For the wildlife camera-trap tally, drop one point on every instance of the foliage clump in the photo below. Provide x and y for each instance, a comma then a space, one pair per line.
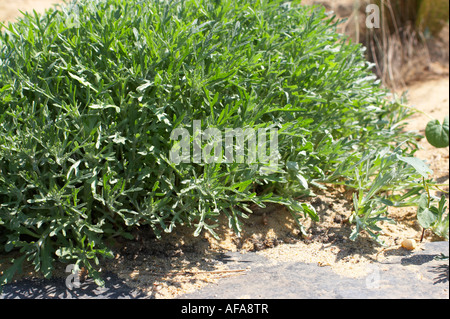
90, 93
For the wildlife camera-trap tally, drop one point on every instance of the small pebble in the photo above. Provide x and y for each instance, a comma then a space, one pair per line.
409, 244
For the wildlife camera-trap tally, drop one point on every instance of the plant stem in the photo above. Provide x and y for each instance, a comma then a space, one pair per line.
419, 111
423, 233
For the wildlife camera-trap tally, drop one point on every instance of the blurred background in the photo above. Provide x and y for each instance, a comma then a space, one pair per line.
412, 42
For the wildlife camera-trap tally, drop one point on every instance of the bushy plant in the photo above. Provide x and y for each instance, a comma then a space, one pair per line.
89, 96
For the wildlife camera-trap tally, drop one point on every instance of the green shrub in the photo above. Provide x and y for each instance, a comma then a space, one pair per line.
90, 94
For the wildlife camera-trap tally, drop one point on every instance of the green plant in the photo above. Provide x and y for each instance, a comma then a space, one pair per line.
437, 133
431, 210
441, 257
432, 216
89, 98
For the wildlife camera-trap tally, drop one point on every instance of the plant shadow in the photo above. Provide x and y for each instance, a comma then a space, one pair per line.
142, 268
56, 288
442, 272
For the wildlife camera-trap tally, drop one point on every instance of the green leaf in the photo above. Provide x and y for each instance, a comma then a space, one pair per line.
242, 185
9, 273
142, 87
104, 107
293, 168
46, 259
311, 211
437, 133
426, 216
441, 228
83, 81
305, 208
302, 180
418, 164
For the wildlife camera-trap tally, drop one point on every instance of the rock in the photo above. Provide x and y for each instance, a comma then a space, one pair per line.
409, 244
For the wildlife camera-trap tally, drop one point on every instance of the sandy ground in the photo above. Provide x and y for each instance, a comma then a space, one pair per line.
431, 97
180, 263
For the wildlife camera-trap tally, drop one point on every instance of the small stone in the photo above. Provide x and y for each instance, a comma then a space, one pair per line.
409, 244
